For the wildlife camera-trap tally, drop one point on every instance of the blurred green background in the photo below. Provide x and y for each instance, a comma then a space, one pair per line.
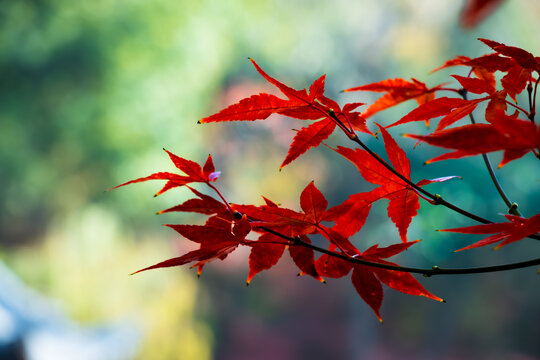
90, 91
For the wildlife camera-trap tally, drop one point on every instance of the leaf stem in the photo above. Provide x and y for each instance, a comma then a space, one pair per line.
222, 197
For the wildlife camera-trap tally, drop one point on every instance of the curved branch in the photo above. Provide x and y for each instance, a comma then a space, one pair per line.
435, 270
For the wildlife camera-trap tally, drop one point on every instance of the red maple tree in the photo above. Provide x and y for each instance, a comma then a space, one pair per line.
269, 229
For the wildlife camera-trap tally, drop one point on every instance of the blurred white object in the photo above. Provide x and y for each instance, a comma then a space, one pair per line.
33, 327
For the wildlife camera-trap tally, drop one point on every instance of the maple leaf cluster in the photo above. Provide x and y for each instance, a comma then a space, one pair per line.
270, 229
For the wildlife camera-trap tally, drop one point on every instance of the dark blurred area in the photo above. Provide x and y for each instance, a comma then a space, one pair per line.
91, 91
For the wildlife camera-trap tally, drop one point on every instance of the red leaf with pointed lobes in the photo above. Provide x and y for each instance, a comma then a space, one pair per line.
174, 180
382, 253
242, 227
316, 90
301, 105
261, 106
352, 106
286, 221
458, 113
292, 223
368, 287
516, 137
216, 238
338, 240
202, 256
332, 267
397, 156
204, 205
490, 63
522, 57
313, 203
404, 202
483, 67
304, 258
203, 234
192, 169
208, 167
336, 212
435, 108
497, 103
264, 255
367, 280
474, 85
370, 169
515, 229
359, 206
286, 90
458, 60
403, 282
397, 91
308, 137
403, 205
515, 81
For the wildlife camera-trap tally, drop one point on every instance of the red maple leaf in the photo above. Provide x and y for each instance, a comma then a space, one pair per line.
404, 203
300, 104
524, 58
203, 205
396, 91
265, 253
517, 63
269, 248
514, 136
475, 85
367, 280
507, 232
452, 110
292, 223
192, 170
216, 238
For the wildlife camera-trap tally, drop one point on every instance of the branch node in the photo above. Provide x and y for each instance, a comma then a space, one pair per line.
513, 209
437, 200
